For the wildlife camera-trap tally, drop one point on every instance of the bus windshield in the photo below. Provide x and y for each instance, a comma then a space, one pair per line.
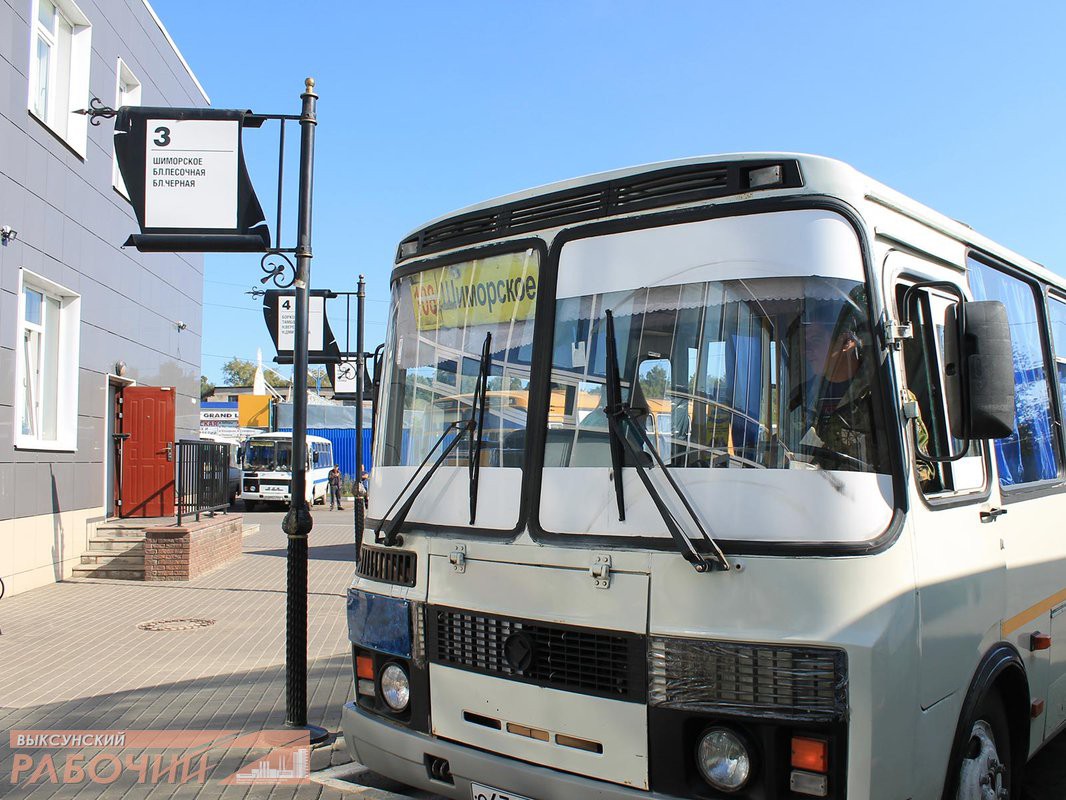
765, 372
268, 456
441, 318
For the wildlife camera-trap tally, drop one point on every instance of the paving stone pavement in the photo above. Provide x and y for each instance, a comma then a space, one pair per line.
73, 658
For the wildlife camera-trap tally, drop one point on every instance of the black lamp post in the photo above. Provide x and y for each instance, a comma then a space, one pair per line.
298, 523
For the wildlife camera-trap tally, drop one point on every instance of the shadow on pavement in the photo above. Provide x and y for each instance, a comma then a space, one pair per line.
326, 552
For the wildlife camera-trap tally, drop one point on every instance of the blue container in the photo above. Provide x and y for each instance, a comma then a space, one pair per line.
345, 440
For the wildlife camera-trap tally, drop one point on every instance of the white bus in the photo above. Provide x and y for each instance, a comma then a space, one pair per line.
267, 473
829, 568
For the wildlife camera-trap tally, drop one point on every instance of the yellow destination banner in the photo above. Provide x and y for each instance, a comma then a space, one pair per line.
481, 292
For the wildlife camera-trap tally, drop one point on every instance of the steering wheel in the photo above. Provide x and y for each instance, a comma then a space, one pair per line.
848, 462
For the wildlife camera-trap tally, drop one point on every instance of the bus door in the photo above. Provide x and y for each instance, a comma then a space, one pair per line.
960, 563
1029, 467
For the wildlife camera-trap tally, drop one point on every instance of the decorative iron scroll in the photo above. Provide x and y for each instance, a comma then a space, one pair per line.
275, 270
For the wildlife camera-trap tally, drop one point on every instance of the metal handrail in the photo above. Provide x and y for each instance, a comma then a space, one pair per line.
203, 478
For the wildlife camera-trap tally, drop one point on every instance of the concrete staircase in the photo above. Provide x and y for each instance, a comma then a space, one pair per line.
116, 550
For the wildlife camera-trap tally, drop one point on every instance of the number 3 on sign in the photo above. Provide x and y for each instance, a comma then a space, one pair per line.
164, 136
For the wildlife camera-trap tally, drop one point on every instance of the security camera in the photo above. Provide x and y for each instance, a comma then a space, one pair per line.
181, 325
7, 233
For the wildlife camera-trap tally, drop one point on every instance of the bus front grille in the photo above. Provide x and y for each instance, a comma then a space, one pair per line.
805, 683
387, 564
602, 663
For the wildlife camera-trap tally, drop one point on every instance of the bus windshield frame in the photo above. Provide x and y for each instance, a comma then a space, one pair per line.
877, 477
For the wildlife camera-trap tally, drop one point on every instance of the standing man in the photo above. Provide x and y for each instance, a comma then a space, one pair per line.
335, 487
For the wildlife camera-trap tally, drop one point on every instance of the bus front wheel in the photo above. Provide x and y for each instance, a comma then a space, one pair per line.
985, 769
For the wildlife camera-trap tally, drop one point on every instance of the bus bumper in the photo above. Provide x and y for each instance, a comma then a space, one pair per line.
401, 754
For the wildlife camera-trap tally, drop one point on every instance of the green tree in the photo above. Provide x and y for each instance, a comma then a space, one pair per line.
206, 387
238, 372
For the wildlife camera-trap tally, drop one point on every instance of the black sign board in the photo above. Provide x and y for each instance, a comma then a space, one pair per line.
279, 312
185, 174
343, 378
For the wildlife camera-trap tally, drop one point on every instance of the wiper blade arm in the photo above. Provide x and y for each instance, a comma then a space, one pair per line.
394, 524
618, 414
614, 402
477, 419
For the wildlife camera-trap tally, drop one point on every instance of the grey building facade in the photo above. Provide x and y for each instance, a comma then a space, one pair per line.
81, 317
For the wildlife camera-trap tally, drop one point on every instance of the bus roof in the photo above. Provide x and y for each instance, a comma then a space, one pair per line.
821, 175
283, 435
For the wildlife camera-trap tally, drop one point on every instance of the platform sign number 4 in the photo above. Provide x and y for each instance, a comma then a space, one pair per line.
190, 174
287, 323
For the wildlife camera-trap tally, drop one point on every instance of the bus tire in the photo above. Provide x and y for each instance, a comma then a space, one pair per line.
998, 697
985, 768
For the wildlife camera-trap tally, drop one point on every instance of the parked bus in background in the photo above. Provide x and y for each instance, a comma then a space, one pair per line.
268, 465
778, 516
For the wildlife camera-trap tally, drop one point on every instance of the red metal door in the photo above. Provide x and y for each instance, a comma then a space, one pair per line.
148, 453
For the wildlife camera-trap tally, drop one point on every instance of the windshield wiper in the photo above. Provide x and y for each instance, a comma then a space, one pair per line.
477, 416
614, 402
619, 414
473, 426
463, 426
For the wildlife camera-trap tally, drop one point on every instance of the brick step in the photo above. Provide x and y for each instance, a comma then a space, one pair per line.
126, 573
132, 543
112, 560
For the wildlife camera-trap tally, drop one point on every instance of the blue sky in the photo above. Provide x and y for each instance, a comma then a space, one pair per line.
428, 107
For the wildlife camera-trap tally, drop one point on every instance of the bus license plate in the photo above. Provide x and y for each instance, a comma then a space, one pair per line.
268, 489
479, 792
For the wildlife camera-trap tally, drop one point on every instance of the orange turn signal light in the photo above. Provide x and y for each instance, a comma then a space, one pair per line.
364, 667
810, 754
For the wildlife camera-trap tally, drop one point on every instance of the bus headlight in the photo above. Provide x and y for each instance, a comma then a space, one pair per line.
723, 760
395, 687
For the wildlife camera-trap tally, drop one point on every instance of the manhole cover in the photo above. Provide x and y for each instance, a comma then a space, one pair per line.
175, 624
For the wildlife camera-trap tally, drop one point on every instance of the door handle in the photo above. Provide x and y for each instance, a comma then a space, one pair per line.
170, 451
992, 514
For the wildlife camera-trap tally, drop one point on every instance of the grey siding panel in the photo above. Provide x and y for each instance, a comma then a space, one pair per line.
71, 224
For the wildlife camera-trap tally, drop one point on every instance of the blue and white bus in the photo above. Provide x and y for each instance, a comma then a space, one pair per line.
267, 473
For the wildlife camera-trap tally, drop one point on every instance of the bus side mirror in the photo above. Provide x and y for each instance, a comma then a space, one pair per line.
982, 387
988, 363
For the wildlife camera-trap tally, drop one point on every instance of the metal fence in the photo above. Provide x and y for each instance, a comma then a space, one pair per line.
203, 478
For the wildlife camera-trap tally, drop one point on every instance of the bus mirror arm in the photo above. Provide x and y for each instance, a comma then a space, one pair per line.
619, 414
981, 345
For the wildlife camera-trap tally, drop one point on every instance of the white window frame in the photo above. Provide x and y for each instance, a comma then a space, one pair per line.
76, 129
132, 97
67, 365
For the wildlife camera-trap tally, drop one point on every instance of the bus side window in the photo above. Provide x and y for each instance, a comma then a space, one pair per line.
1031, 453
1056, 307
